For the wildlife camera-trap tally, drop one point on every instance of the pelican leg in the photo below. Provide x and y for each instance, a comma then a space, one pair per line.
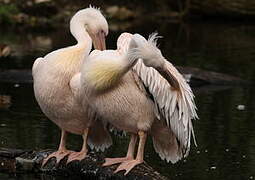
61, 152
128, 165
83, 153
129, 156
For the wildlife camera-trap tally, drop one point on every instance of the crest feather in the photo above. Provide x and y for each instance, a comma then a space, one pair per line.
153, 38
94, 7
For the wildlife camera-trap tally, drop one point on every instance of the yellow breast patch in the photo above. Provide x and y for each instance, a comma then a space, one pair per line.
104, 74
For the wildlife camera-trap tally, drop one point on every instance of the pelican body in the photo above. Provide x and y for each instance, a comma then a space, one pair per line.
56, 79
136, 90
119, 101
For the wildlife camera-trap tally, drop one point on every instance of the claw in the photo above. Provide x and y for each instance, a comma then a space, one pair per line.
111, 161
59, 155
76, 156
128, 166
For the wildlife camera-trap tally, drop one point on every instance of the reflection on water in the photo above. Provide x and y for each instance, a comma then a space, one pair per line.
225, 135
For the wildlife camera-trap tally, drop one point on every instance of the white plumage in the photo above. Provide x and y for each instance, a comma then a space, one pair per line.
57, 82
176, 108
140, 92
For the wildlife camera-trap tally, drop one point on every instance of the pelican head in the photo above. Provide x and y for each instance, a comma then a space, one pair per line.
94, 23
147, 50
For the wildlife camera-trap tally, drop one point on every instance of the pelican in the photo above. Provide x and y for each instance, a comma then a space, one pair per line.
135, 89
56, 85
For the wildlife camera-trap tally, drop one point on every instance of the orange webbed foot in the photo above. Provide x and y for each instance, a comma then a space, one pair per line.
111, 161
128, 165
59, 155
77, 156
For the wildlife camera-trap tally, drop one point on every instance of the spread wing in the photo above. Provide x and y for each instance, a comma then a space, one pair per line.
175, 108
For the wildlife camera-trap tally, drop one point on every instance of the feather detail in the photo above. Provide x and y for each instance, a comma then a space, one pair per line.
68, 57
99, 137
174, 102
107, 67
165, 143
123, 43
177, 108
104, 74
94, 7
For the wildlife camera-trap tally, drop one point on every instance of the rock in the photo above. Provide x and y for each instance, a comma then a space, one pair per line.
40, 8
120, 26
120, 13
5, 101
5, 50
223, 8
6, 1
202, 77
7, 159
21, 18
41, 1
41, 42
89, 168
112, 10
25, 164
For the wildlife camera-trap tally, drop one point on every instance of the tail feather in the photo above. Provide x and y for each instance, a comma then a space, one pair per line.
165, 142
99, 137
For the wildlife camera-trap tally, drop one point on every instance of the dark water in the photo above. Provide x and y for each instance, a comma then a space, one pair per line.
225, 135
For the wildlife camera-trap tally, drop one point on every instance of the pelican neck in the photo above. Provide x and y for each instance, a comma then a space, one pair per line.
79, 32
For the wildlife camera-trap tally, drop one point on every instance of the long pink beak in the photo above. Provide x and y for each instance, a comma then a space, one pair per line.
99, 41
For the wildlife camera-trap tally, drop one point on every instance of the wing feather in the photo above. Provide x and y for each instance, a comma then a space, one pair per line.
123, 42
174, 108
177, 108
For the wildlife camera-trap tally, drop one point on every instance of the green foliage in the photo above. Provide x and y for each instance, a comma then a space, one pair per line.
7, 12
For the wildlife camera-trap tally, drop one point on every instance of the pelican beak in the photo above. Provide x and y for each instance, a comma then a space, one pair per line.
99, 41
165, 72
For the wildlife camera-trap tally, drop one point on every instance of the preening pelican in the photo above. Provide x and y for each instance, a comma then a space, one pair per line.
56, 84
137, 90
